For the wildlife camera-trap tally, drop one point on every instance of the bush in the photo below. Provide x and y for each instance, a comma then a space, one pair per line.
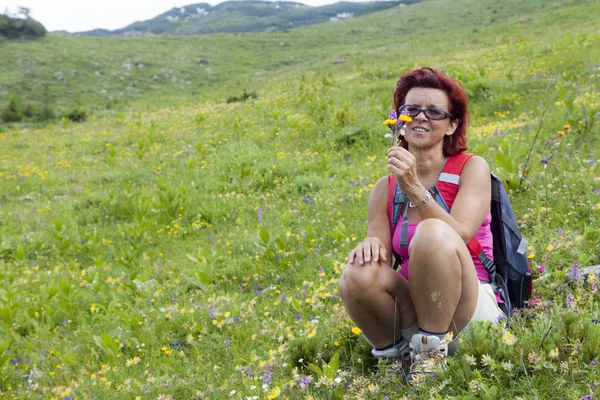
29, 111
77, 115
46, 113
12, 112
245, 96
18, 28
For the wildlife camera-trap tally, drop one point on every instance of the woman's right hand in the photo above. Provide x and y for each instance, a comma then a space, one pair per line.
369, 248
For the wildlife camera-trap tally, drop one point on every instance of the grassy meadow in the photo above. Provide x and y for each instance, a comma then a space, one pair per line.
177, 246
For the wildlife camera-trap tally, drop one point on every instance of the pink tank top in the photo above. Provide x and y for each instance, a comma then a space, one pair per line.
483, 234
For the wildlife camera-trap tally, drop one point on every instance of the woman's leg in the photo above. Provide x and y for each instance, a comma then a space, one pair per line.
378, 300
443, 281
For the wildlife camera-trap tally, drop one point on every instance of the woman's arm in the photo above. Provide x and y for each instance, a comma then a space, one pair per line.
472, 201
378, 244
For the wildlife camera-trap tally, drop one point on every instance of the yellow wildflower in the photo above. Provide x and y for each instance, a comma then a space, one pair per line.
509, 338
356, 330
560, 133
566, 127
405, 118
274, 393
390, 122
311, 333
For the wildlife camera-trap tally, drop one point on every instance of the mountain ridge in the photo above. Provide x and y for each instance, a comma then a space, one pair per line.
245, 16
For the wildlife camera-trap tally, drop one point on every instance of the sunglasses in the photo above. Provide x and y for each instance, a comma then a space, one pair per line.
431, 113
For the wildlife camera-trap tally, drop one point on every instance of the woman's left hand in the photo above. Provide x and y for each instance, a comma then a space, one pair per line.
404, 167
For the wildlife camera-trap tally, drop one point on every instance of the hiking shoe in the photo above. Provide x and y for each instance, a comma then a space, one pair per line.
399, 350
428, 355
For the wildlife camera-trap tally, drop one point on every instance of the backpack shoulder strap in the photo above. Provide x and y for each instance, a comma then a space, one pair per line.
449, 179
390, 203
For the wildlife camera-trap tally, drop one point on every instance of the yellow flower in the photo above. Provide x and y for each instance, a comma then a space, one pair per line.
560, 133
311, 333
509, 338
356, 330
553, 353
274, 393
389, 122
405, 118
93, 308
566, 127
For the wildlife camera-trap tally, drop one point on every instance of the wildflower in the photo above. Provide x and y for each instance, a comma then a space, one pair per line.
508, 338
470, 359
211, 312
486, 360
93, 308
274, 393
533, 358
542, 268
507, 366
260, 214
405, 118
389, 122
560, 133
570, 301
553, 353
356, 330
474, 385
574, 271
266, 378
305, 381
312, 333
566, 127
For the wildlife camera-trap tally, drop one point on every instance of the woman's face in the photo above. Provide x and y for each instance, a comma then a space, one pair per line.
423, 132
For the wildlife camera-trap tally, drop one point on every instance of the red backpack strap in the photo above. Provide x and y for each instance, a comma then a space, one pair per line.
390, 204
449, 179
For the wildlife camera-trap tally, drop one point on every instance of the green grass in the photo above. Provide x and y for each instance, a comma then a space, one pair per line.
131, 249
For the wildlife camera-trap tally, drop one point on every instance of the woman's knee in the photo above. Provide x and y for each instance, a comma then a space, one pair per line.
433, 235
356, 279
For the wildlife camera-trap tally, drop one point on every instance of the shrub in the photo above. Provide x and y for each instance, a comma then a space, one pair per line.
245, 96
29, 111
76, 115
19, 28
12, 112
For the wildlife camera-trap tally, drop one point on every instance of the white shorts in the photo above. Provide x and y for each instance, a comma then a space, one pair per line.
487, 310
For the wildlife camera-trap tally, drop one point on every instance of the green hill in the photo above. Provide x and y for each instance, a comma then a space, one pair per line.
246, 16
183, 244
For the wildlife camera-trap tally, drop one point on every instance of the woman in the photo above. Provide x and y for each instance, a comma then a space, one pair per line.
440, 287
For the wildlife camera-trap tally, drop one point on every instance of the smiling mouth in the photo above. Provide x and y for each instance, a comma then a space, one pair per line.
420, 130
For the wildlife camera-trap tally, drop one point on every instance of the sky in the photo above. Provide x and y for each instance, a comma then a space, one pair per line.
85, 15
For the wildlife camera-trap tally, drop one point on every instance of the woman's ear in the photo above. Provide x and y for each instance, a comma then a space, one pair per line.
452, 127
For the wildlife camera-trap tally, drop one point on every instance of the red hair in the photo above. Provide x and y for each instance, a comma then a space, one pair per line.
427, 77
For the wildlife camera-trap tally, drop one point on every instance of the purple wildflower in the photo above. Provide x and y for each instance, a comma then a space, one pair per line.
575, 271
227, 343
305, 381
236, 319
591, 153
393, 114
597, 191
560, 231
211, 312
260, 214
542, 268
266, 378
545, 161
595, 321
570, 301
586, 397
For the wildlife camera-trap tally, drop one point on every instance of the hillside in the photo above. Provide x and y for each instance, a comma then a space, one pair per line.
117, 73
245, 16
177, 245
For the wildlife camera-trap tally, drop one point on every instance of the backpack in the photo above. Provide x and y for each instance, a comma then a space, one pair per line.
510, 273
